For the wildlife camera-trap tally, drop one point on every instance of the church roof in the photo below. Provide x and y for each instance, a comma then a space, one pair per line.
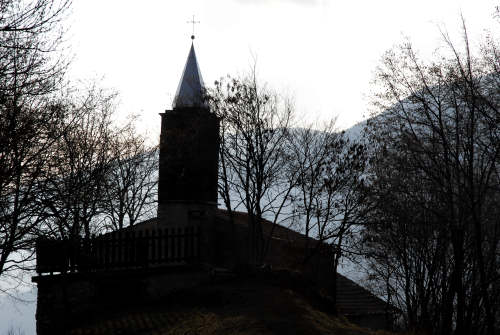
190, 90
352, 299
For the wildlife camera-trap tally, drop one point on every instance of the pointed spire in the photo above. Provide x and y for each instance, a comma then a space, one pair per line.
191, 87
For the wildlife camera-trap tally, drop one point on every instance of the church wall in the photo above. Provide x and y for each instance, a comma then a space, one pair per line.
67, 300
58, 300
230, 244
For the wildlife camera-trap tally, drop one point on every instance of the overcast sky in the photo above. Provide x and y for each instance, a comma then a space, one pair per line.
322, 53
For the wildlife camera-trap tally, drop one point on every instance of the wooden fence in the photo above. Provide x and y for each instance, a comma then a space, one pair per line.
119, 250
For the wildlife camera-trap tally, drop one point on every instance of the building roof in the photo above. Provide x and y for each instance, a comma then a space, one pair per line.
352, 298
191, 88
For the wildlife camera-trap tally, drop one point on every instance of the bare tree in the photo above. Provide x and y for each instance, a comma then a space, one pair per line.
438, 134
328, 197
35, 17
101, 175
131, 184
284, 174
74, 185
30, 35
30, 122
255, 125
406, 244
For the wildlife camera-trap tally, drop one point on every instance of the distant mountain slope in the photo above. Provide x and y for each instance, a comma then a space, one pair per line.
354, 132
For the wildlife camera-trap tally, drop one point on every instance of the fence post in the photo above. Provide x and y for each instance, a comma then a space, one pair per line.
133, 250
166, 246
179, 246
107, 250
147, 247
74, 253
153, 246
138, 249
119, 247
173, 248
98, 253
85, 255
160, 246
112, 260
191, 244
198, 243
185, 241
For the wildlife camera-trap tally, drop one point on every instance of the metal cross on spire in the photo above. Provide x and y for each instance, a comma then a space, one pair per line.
193, 22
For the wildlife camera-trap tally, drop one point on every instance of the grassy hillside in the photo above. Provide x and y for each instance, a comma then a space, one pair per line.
235, 306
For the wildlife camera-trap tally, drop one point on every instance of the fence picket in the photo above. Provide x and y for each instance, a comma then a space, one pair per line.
133, 250
160, 249
153, 247
119, 250
168, 243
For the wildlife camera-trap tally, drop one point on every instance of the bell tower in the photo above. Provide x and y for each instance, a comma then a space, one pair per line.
189, 148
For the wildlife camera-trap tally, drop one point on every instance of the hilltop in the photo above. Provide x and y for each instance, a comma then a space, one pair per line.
265, 303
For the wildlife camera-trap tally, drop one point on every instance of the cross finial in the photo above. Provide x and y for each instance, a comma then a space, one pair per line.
193, 22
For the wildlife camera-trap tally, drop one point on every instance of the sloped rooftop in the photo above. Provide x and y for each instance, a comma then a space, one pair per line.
352, 299
190, 90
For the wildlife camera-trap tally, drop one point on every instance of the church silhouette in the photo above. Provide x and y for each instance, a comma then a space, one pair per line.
191, 242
